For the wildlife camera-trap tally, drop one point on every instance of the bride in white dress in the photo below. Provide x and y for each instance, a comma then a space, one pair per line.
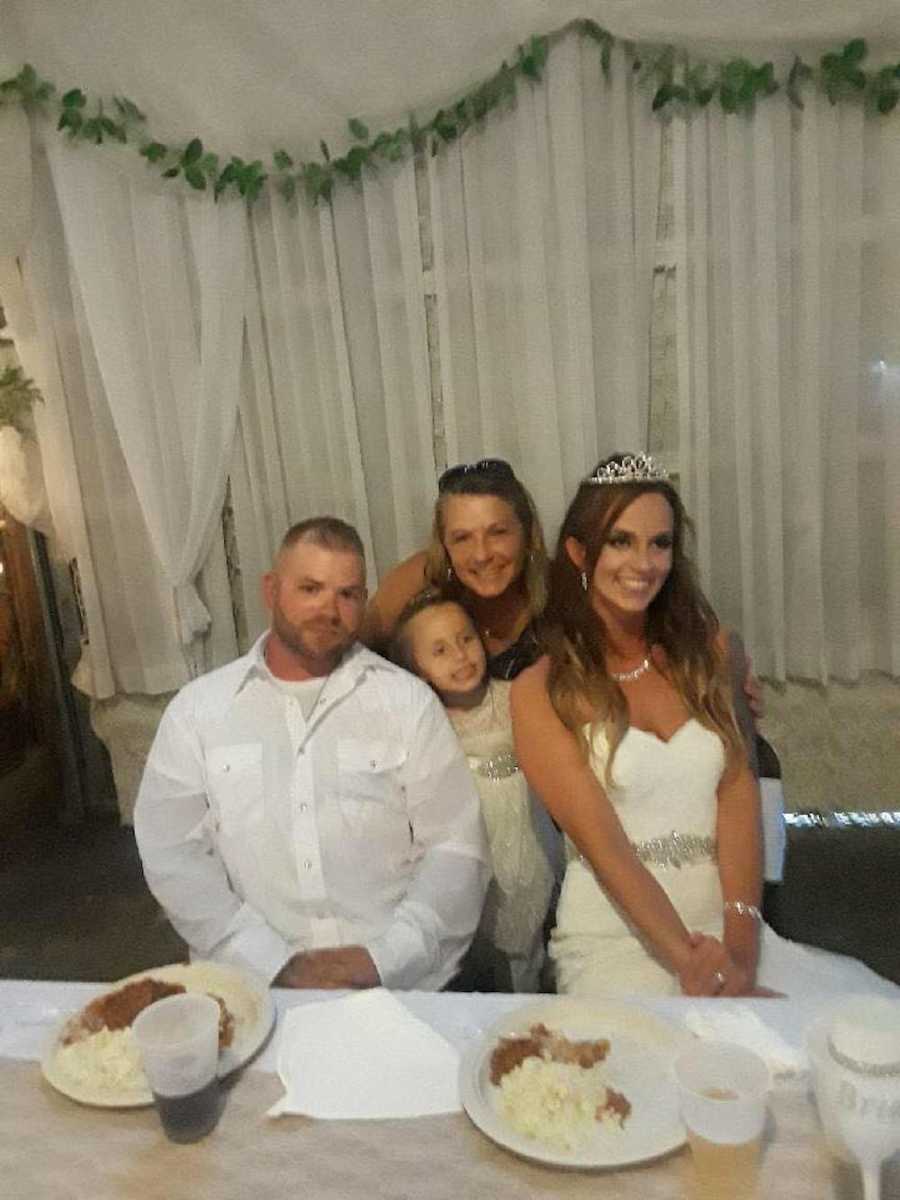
627, 732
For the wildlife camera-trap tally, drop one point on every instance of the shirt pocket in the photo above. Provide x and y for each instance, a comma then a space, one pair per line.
235, 780
370, 790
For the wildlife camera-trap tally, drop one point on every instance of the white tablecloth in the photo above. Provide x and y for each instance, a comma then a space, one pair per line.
30, 1011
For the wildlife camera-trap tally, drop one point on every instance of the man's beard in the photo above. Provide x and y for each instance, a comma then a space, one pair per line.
305, 647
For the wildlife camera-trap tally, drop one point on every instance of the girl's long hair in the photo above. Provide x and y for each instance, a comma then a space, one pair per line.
680, 620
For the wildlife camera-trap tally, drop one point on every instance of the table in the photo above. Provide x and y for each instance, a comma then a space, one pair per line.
53, 1149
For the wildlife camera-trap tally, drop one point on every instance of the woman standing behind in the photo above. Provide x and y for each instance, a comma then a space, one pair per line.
486, 552
627, 732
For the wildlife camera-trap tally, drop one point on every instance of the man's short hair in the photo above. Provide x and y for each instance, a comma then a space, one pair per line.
331, 533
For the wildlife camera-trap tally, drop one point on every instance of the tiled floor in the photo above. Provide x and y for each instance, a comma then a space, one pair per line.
74, 905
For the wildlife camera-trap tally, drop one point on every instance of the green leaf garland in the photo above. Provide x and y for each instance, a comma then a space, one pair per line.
678, 84
17, 396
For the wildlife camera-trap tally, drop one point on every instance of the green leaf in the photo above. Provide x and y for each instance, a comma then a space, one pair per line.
728, 98
416, 135
352, 163
192, 151
324, 148
154, 151
70, 118
887, 100
855, 51
766, 77
529, 68
287, 186
195, 177
799, 72
171, 173
282, 160
317, 181
74, 99
358, 129
225, 178
128, 110
662, 97
539, 48
209, 163
444, 125
92, 130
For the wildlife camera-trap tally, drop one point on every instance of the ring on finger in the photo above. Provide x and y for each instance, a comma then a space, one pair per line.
719, 980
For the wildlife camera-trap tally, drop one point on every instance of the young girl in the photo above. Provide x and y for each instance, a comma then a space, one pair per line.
435, 639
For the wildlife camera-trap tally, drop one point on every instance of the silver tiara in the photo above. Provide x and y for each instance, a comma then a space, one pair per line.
634, 468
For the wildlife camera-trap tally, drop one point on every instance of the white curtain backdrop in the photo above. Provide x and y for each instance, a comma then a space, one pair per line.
133, 637
335, 412
160, 289
181, 344
788, 292
544, 226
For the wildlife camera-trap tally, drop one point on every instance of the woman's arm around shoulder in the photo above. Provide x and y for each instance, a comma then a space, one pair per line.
394, 592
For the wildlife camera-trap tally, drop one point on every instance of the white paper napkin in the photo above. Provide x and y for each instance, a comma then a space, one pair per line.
741, 1025
364, 1056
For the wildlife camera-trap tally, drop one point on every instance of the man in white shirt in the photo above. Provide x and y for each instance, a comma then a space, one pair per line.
306, 810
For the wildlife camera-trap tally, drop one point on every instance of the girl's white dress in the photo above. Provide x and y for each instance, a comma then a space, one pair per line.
664, 794
520, 836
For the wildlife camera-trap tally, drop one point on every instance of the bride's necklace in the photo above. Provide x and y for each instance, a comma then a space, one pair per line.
631, 676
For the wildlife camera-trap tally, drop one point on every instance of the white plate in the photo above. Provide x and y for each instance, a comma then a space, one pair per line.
642, 1049
247, 996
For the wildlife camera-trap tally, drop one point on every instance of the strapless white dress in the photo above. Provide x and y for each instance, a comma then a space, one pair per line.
665, 795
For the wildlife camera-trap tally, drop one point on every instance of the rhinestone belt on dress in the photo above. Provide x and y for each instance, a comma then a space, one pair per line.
673, 850
498, 766
676, 849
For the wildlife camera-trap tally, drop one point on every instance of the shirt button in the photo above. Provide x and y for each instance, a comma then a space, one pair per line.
308, 864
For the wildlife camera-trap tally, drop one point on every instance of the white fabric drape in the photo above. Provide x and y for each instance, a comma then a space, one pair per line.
133, 642
335, 411
544, 226
789, 457
169, 362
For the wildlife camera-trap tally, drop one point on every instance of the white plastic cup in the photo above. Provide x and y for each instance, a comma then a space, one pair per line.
723, 1090
178, 1038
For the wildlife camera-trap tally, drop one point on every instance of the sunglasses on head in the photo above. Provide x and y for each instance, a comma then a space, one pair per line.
497, 467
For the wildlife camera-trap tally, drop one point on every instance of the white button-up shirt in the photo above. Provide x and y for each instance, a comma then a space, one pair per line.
262, 833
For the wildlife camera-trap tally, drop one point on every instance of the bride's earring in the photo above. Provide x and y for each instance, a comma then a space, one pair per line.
584, 581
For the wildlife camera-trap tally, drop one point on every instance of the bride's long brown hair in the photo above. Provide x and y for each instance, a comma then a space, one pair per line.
680, 620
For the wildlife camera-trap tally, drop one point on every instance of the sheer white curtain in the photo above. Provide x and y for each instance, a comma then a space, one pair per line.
335, 411
789, 452
544, 226
160, 288
134, 642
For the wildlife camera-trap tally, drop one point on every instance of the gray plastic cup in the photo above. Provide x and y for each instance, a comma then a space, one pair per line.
178, 1039
723, 1090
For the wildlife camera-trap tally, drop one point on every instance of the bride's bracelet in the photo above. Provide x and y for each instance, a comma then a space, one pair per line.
743, 909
